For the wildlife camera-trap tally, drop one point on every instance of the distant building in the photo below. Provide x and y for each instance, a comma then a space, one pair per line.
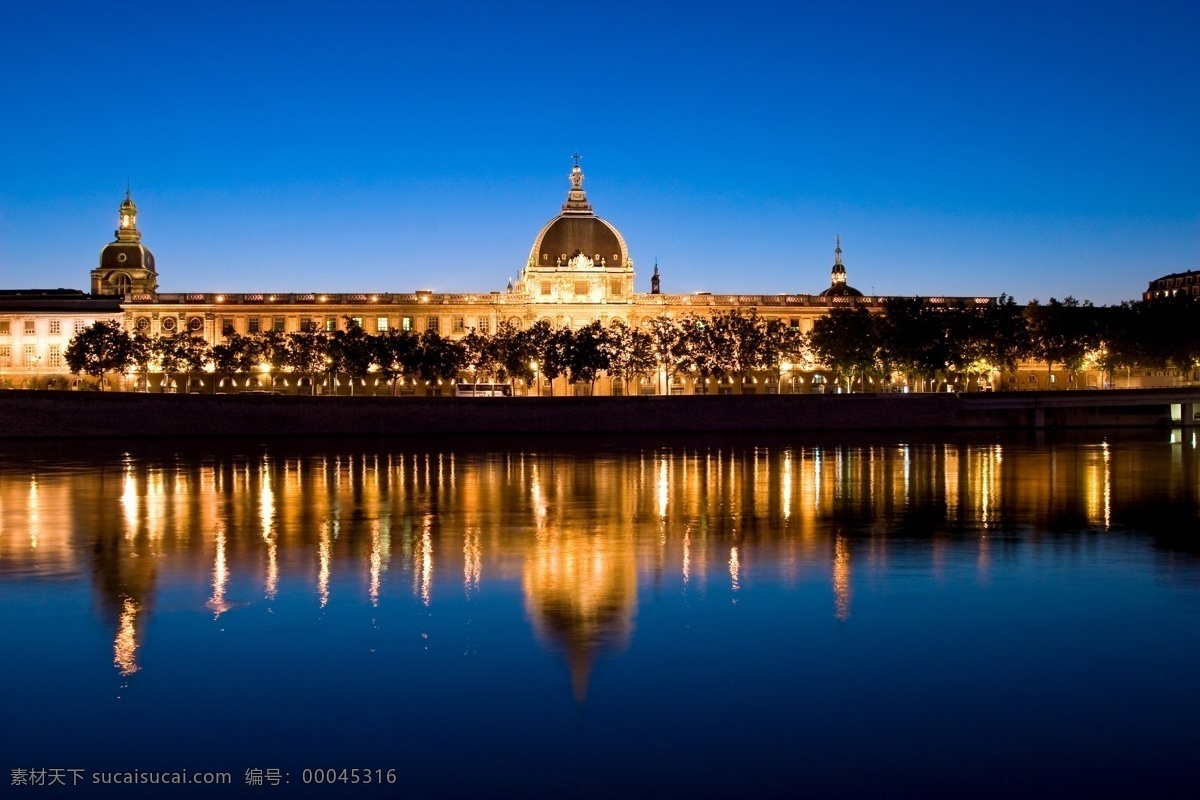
1173, 285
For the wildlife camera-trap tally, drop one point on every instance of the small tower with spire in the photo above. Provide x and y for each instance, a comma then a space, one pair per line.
126, 265
654, 280
837, 277
839, 271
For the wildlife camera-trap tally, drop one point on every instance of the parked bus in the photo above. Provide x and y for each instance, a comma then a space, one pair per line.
482, 390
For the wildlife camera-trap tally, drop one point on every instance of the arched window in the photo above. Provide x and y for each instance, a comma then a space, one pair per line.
121, 283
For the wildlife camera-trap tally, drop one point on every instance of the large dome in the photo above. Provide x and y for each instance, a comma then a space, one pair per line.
578, 231
566, 236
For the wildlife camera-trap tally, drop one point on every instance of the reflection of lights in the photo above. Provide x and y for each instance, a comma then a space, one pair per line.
663, 489
472, 561
35, 512
266, 513
425, 574
125, 644
220, 577
323, 550
376, 563
787, 484
735, 568
841, 578
950, 479
129, 501
687, 555
155, 504
1108, 484
535, 494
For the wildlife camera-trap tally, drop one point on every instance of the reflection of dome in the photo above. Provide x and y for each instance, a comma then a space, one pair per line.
581, 594
838, 286
577, 230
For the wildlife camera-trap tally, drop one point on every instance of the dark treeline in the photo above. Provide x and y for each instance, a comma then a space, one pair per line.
913, 341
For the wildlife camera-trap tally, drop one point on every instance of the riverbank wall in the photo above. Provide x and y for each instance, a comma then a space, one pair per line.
64, 414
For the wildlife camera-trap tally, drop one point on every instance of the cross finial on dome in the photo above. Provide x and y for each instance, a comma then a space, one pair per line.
576, 156
837, 250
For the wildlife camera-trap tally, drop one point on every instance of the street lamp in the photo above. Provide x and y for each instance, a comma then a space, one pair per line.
37, 360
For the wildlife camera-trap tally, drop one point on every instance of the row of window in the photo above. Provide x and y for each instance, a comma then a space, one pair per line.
29, 326
458, 324
582, 288
54, 357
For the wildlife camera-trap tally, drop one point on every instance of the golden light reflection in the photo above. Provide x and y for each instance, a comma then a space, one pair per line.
581, 595
664, 492
687, 555
423, 563
582, 532
220, 576
324, 554
787, 485
472, 561
129, 501
841, 578
34, 513
125, 644
376, 563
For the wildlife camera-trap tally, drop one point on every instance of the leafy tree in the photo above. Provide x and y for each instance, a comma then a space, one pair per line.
237, 354
104, 347
631, 352
481, 355
553, 353
670, 349
439, 358
515, 351
697, 349
395, 353
1062, 333
847, 341
351, 351
914, 337
306, 352
271, 347
588, 353
181, 354
142, 355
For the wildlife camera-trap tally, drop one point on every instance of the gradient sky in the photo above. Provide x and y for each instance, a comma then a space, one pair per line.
1039, 149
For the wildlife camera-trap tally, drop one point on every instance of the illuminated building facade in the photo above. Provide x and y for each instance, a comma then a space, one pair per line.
579, 270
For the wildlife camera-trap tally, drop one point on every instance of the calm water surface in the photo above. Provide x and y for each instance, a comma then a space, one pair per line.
738, 617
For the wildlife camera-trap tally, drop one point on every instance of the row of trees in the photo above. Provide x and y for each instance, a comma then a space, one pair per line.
928, 345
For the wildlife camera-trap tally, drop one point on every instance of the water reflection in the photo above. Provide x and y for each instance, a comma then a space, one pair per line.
581, 535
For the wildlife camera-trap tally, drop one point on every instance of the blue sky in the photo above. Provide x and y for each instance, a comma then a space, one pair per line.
1036, 149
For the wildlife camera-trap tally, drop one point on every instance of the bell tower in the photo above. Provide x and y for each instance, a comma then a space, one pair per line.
126, 265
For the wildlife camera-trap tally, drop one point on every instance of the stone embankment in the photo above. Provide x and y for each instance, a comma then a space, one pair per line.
51, 414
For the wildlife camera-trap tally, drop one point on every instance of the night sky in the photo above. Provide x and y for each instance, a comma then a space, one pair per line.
1038, 149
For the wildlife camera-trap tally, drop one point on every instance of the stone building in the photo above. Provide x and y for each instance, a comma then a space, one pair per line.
579, 269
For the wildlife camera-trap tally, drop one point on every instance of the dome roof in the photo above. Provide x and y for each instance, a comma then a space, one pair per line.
841, 290
567, 235
577, 230
125, 256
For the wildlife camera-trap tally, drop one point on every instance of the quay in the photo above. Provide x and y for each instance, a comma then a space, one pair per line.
65, 414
